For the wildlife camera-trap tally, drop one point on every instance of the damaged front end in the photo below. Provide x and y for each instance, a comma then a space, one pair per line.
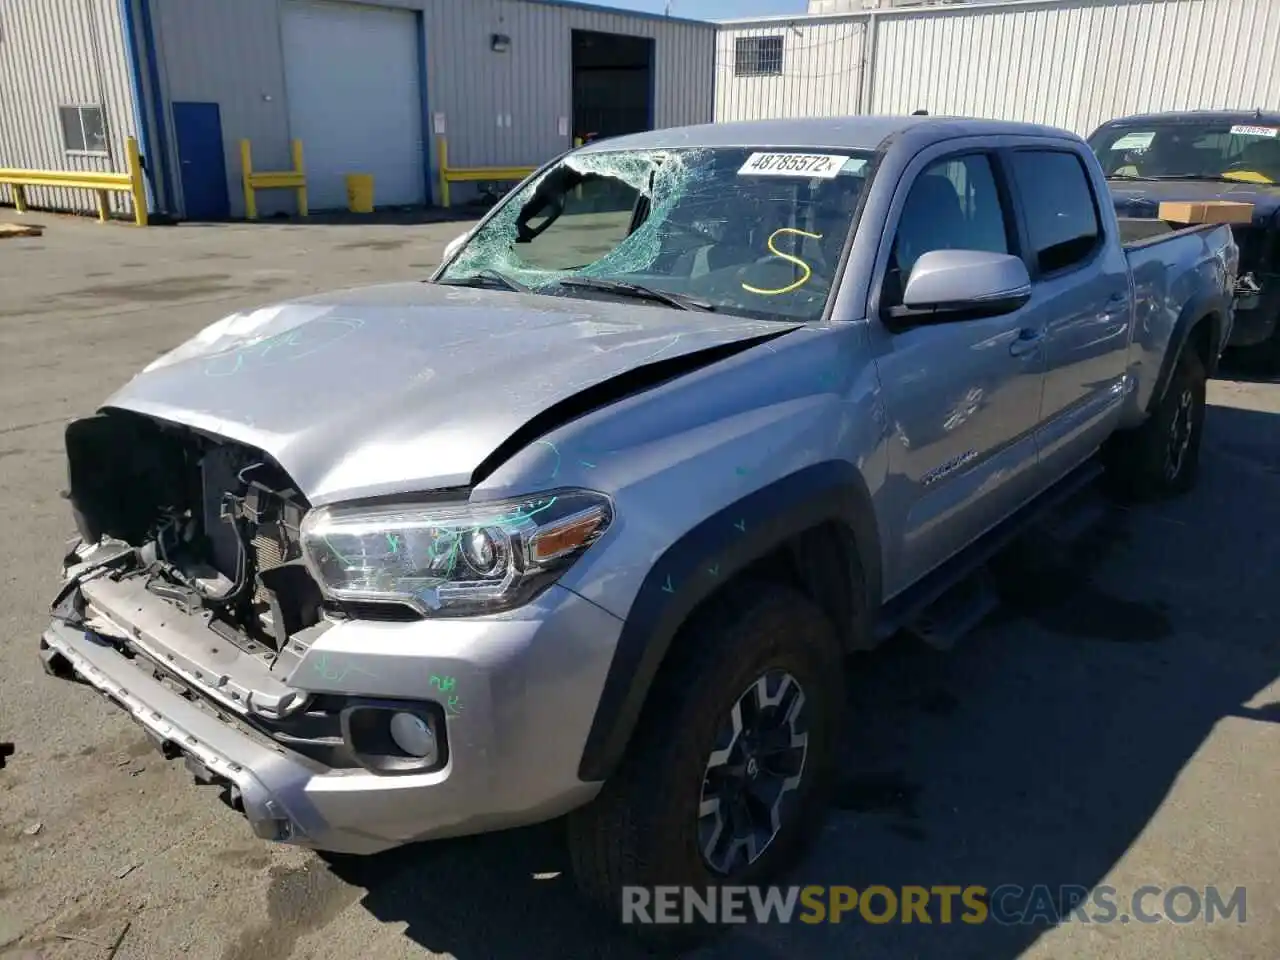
211, 527
189, 563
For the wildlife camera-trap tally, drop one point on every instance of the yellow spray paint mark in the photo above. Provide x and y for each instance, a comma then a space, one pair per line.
1247, 176
790, 259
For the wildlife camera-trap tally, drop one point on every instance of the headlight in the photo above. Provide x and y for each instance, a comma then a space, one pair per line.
452, 559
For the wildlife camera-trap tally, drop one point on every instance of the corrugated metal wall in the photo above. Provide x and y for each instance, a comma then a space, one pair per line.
229, 52
1070, 63
532, 82
57, 53
821, 72
1076, 64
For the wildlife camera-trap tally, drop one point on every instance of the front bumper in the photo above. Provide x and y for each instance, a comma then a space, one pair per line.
526, 687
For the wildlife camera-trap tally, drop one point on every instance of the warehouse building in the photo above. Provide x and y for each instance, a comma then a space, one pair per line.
1068, 63
366, 87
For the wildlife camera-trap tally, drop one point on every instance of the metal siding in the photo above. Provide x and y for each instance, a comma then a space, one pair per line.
1070, 63
229, 53
532, 81
1076, 64
821, 72
62, 53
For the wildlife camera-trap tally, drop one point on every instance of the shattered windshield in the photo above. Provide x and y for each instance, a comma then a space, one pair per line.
735, 230
1221, 150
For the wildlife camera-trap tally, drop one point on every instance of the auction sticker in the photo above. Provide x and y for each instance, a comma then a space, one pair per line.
1134, 141
1244, 130
824, 165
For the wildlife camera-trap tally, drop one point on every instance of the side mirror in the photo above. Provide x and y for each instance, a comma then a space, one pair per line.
454, 245
963, 284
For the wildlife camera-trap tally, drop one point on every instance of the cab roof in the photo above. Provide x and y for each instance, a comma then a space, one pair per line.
866, 132
1267, 117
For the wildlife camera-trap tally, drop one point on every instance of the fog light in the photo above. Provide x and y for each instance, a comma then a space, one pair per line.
413, 735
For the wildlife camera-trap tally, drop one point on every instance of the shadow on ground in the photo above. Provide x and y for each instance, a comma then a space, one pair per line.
1036, 753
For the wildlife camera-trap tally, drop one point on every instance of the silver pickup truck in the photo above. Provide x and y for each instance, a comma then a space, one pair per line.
585, 523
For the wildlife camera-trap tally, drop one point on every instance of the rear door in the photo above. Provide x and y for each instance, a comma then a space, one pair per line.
962, 398
1080, 304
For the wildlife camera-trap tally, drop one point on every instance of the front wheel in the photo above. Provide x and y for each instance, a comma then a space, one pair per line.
1162, 457
726, 779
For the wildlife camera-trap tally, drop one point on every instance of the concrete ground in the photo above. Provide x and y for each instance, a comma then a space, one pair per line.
1118, 723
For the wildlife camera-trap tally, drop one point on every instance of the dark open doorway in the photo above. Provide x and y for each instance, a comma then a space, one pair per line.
612, 84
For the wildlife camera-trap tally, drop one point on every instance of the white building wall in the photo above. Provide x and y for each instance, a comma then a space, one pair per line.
1070, 63
821, 72
1075, 64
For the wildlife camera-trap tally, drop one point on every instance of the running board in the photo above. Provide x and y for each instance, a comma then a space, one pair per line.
916, 605
958, 611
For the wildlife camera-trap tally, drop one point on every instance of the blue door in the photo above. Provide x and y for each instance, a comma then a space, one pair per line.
198, 127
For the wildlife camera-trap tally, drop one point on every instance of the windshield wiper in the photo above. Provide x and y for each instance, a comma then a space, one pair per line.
1127, 176
487, 278
638, 292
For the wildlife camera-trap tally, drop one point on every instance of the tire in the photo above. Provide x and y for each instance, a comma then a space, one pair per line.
644, 828
1266, 356
1161, 458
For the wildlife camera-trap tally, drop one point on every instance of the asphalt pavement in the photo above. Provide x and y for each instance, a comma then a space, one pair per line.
1117, 723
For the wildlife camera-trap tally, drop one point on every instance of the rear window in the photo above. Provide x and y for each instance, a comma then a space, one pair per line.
1062, 218
1217, 150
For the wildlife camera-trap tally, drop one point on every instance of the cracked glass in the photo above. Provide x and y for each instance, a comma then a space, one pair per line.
752, 231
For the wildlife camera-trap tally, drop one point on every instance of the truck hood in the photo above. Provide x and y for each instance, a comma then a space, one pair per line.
1142, 198
409, 387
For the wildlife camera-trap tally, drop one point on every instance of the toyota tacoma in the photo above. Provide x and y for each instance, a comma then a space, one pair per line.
585, 523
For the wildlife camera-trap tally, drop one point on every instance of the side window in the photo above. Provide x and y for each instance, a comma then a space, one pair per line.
953, 205
1062, 216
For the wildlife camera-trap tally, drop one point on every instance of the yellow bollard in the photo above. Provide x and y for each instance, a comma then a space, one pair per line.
300, 170
360, 192
137, 187
442, 160
246, 174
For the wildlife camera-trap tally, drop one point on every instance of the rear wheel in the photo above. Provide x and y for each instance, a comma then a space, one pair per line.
727, 776
1162, 457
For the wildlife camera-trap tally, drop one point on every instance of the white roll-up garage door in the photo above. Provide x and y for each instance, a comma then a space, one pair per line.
353, 83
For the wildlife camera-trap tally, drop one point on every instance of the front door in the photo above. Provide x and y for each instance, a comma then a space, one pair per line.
962, 398
198, 129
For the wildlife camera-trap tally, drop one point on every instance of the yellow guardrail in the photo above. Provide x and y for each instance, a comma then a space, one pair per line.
295, 179
101, 184
450, 174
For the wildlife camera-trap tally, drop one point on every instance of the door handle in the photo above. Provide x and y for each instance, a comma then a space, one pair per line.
1028, 341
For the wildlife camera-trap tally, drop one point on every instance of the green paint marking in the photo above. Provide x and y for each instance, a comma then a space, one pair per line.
454, 706
714, 571
443, 683
667, 587
742, 526
589, 466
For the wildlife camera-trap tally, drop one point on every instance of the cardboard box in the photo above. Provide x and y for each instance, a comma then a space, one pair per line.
1207, 211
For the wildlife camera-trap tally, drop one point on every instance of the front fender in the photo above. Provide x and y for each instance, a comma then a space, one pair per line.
703, 559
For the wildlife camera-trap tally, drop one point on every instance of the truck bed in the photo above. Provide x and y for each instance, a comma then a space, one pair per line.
1142, 231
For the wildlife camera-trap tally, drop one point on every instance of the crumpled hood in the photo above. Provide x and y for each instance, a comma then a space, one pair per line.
405, 387
1143, 198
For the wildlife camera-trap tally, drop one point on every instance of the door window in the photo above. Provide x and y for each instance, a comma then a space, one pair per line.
953, 205
1061, 211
